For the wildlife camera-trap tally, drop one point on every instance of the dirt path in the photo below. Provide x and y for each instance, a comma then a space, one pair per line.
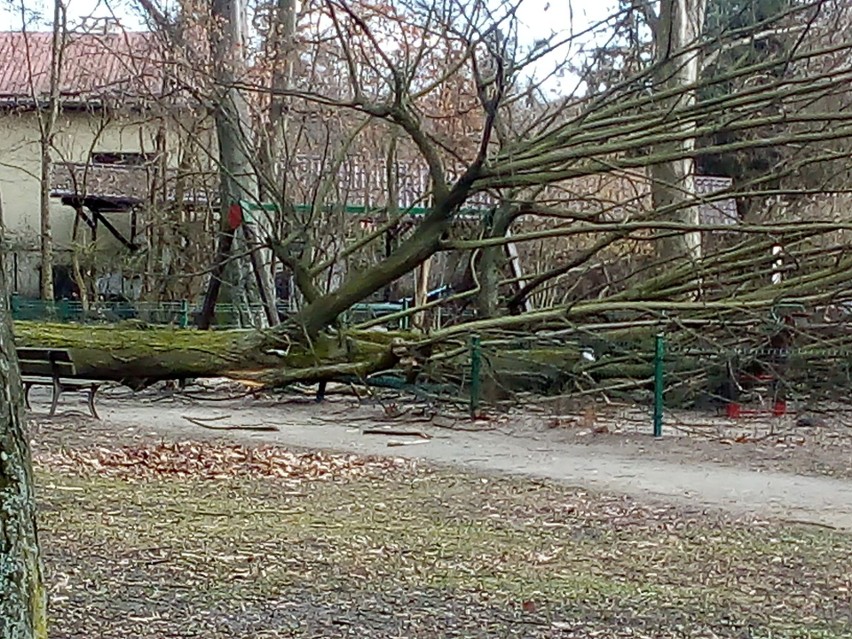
338, 426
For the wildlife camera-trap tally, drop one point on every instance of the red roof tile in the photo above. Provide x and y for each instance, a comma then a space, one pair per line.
94, 66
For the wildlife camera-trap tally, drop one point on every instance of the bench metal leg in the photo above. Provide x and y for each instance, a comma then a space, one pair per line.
57, 391
27, 387
91, 399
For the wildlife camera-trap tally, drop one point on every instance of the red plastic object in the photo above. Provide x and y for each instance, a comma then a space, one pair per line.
734, 410
235, 216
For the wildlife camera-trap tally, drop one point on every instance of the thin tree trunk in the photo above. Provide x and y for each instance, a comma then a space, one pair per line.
46, 234
273, 152
22, 595
75, 260
392, 177
48, 130
282, 45
491, 262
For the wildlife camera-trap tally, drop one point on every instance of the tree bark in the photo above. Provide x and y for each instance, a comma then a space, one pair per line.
126, 353
238, 182
491, 262
22, 594
673, 183
424, 243
282, 47
48, 122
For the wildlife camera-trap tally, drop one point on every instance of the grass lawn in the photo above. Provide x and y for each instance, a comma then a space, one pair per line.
139, 549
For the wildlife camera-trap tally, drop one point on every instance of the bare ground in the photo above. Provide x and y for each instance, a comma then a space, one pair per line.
155, 526
772, 468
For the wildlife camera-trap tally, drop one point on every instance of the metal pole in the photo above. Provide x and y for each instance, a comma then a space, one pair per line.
184, 314
659, 356
475, 375
405, 322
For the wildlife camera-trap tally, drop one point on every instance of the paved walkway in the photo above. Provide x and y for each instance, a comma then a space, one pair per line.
815, 500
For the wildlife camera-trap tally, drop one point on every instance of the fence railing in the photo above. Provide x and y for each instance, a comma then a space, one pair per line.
662, 377
181, 313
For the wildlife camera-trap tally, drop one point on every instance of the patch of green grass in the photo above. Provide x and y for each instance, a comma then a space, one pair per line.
604, 560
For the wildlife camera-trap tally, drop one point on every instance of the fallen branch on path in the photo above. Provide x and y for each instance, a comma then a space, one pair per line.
260, 427
396, 433
398, 442
805, 522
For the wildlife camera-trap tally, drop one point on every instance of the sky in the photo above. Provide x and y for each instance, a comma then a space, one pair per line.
10, 13
538, 16
537, 19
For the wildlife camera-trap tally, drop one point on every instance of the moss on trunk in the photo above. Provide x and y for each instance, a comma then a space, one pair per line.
128, 352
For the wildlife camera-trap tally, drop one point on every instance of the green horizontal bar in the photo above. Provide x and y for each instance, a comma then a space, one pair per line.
414, 211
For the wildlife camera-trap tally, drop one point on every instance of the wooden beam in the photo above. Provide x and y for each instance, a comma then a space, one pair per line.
99, 217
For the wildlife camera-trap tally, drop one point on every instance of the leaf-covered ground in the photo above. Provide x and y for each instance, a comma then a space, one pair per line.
211, 540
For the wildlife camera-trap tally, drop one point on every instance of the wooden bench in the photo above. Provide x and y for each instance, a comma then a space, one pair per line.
55, 368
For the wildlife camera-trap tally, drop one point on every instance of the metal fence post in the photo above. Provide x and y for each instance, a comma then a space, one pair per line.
183, 322
475, 375
405, 322
659, 357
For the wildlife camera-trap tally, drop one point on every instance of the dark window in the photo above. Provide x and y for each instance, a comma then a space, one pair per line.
123, 159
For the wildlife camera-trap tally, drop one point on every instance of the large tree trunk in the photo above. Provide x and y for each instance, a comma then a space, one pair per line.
22, 595
422, 245
231, 279
673, 183
136, 356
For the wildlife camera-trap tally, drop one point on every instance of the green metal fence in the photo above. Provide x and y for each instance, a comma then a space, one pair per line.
165, 313
665, 377
178, 313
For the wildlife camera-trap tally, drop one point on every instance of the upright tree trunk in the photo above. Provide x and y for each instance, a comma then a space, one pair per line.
22, 596
491, 262
283, 50
421, 293
46, 234
77, 271
48, 130
274, 144
673, 183
231, 277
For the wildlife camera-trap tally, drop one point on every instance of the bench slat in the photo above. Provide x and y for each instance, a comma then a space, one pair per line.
44, 354
35, 379
80, 383
60, 369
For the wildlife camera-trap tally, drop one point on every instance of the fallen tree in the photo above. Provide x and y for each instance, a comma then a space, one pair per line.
127, 353
605, 347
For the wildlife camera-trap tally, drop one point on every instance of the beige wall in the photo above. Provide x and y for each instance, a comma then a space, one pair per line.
78, 135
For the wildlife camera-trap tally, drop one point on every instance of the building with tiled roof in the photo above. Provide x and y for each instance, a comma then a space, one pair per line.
112, 87
95, 68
